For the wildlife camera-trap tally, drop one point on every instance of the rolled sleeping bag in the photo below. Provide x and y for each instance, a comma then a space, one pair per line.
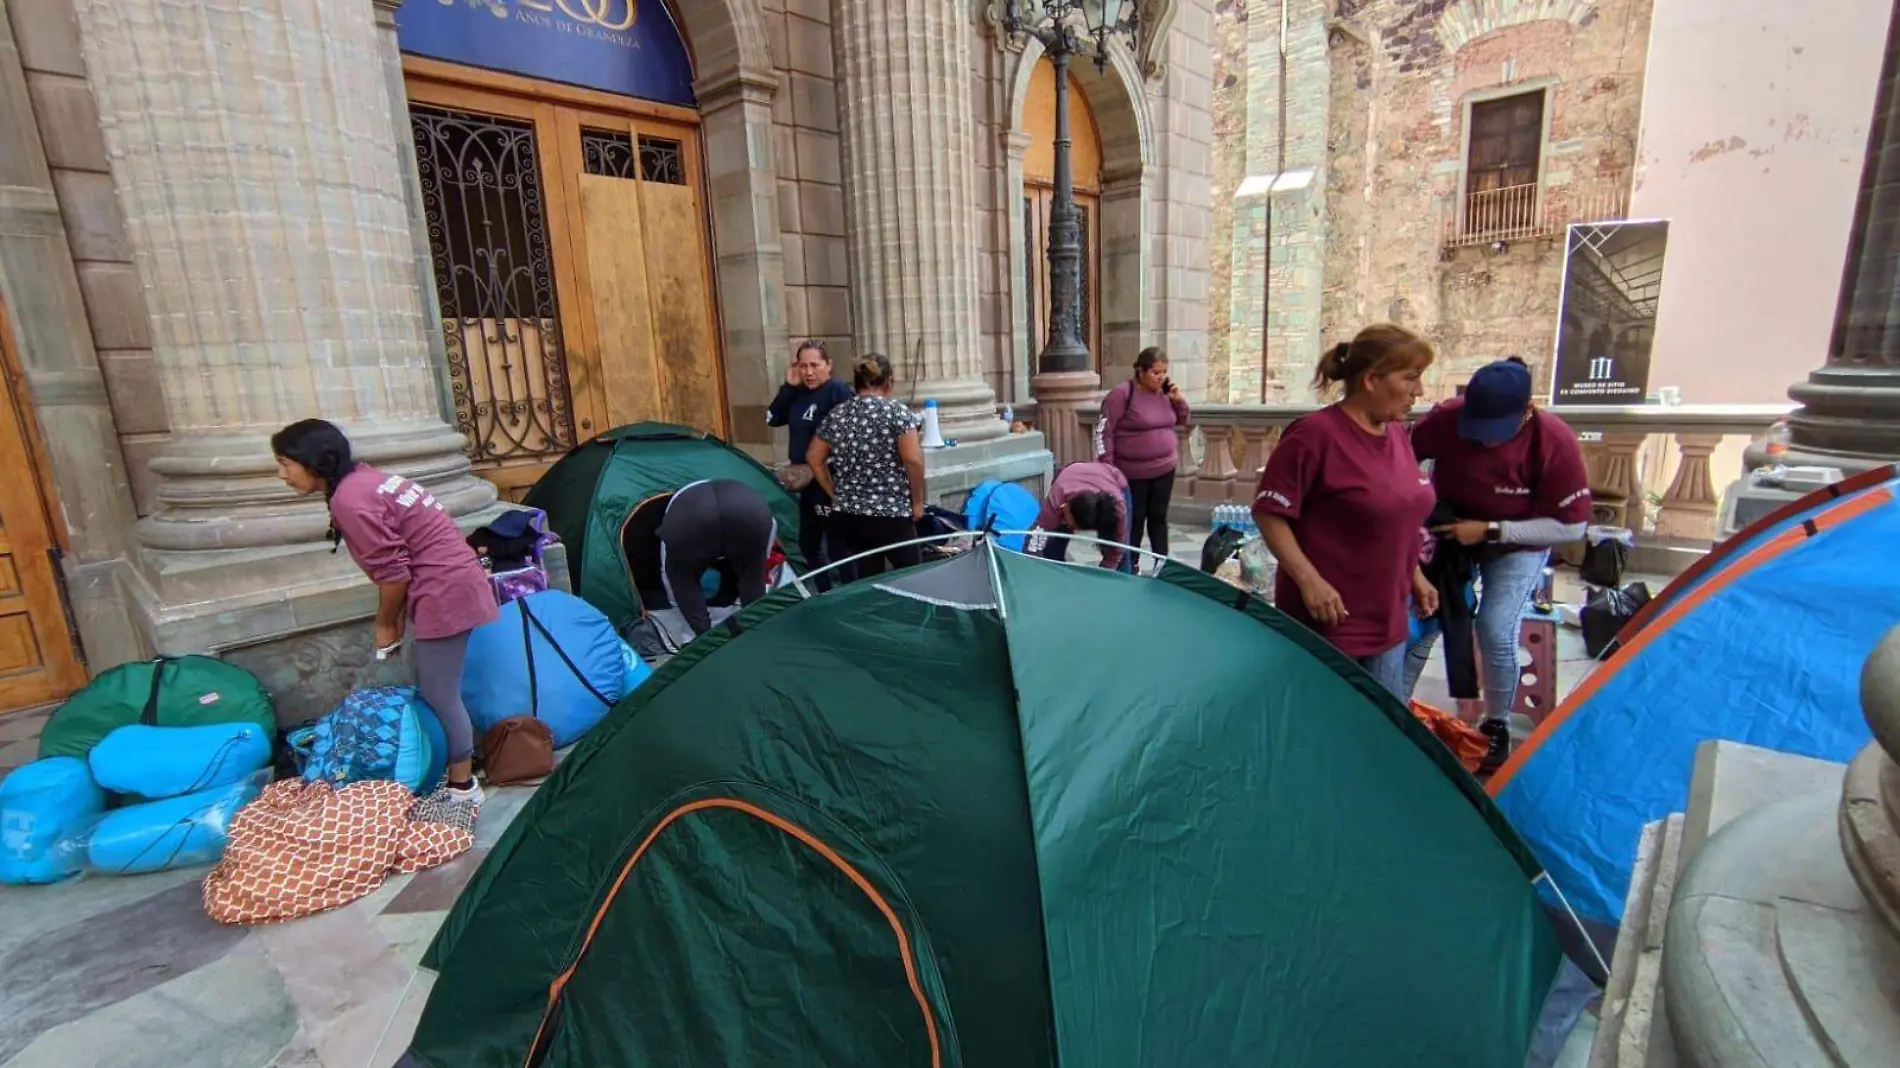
41, 806
177, 832
158, 762
550, 655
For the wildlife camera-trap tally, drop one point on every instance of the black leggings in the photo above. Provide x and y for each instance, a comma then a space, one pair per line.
815, 539
1151, 511
854, 534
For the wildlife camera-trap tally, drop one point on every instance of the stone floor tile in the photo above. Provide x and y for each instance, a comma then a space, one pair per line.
25, 911
22, 727
436, 889
232, 1013
66, 972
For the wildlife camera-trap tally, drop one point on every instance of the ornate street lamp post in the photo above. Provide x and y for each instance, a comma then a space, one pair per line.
1069, 28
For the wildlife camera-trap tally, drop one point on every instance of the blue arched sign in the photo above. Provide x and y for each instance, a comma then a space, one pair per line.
629, 47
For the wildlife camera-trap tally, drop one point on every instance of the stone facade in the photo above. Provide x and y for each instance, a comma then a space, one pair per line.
1376, 233
174, 357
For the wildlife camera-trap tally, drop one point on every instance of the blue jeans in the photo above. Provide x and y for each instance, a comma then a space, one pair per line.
1388, 668
1505, 586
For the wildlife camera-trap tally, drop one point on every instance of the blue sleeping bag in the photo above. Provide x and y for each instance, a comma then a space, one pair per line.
388, 732
40, 805
550, 655
1002, 506
637, 670
153, 762
178, 832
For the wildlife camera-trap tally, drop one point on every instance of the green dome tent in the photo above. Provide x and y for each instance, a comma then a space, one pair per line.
1000, 812
591, 493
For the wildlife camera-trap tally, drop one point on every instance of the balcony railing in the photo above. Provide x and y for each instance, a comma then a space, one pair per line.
1627, 450
1524, 212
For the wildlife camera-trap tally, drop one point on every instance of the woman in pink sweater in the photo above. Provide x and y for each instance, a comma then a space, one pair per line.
430, 586
1141, 415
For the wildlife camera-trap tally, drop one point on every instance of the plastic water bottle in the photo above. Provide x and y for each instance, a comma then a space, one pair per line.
1009, 415
1220, 516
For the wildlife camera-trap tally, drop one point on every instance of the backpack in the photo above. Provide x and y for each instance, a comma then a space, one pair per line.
382, 733
1127, 390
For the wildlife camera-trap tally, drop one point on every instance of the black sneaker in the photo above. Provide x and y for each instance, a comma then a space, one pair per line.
1499, 732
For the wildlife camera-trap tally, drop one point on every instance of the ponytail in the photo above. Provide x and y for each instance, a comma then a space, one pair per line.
1332, 366
1380, 349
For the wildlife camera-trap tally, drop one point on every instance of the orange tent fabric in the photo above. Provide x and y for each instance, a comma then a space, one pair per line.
1460, 737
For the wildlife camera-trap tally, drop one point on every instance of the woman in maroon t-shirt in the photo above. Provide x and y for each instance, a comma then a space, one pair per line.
428, 581
1514, 477
1342, 504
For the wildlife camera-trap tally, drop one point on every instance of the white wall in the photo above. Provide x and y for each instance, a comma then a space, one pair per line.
1755, 116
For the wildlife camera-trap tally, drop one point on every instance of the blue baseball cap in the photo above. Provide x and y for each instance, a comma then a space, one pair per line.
1495, 402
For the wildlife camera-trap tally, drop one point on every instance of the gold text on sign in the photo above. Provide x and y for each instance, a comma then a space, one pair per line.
612, 15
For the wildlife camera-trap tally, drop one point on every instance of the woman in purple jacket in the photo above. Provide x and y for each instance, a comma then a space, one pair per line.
429, 583
1141, 415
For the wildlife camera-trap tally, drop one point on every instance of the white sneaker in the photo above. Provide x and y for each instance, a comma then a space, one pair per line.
471, 795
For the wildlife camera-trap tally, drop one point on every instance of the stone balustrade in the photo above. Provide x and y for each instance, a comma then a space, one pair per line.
1225, 447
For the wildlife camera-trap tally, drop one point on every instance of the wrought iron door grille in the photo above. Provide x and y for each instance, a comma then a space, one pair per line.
494, 274
607, 153
662, 160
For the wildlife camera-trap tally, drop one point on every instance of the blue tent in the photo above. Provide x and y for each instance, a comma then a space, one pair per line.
1765, 649
1750, 537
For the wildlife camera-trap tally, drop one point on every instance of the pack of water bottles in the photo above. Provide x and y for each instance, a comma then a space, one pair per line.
1235, 517
1250, 565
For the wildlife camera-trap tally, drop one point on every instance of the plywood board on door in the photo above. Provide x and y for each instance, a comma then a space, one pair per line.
623, 312
681, 296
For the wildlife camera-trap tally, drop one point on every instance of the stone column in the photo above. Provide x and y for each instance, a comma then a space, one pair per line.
1850, 408
909, 136
255, 155
412, 197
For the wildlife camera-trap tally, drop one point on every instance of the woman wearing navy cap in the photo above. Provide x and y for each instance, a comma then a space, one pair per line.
1514, 477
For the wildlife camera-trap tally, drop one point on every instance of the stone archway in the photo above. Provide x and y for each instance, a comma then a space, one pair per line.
736, 85
1120, 108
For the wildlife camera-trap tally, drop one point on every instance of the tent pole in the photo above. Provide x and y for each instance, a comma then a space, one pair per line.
1595, 954
996, 580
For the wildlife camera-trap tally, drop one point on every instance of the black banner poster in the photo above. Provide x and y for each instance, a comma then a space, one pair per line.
1606, 323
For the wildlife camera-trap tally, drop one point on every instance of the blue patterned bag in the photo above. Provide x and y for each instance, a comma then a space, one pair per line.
382, 733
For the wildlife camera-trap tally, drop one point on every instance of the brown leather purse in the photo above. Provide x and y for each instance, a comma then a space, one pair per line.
519, 749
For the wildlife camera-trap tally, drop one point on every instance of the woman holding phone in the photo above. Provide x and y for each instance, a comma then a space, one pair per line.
1138, 439
424, 571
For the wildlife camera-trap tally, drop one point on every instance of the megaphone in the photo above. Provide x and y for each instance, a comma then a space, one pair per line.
933, 433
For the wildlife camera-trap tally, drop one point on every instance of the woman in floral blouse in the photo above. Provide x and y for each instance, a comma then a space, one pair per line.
867, 458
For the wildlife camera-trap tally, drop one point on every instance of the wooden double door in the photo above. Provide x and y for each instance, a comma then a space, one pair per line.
571, 263
39, 662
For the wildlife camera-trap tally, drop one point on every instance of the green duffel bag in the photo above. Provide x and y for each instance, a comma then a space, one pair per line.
181, 691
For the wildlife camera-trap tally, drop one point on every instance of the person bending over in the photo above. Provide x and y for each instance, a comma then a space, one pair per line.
430, 585
717, 523
1515, 480
1091, 498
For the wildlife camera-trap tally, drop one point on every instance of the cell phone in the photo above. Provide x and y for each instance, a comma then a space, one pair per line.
1167, 385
